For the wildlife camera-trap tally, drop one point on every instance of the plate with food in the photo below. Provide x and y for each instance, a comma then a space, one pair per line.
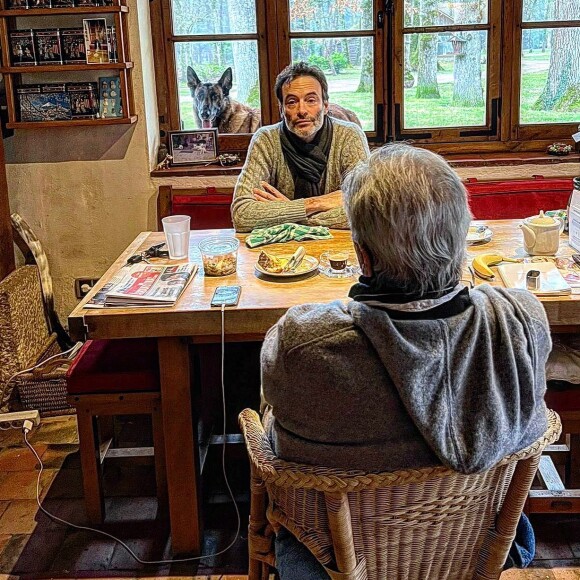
286, 265
478, 235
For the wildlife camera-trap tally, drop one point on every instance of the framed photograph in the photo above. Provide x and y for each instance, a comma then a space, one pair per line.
195, 146
96, 46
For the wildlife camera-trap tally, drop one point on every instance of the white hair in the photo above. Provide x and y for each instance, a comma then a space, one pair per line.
409, 210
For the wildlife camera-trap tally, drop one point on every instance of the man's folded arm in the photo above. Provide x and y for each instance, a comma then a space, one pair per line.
247, 213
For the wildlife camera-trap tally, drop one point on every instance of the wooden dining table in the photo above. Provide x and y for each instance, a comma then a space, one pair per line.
262, 302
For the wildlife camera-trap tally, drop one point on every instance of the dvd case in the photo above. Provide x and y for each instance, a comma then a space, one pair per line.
22, 47
84, 100
48, 46
43, 102
73, 46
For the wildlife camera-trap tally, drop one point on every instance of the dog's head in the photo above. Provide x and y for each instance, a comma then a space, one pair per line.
210, 100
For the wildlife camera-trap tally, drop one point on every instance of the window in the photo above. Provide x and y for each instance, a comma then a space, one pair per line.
456, 75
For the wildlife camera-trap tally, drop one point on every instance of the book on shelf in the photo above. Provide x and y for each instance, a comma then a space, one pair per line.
551, 281
144, 285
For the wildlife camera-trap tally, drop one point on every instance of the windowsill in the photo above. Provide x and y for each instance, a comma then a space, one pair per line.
477, 160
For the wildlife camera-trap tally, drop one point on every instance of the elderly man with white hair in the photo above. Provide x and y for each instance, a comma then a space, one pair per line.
416, 370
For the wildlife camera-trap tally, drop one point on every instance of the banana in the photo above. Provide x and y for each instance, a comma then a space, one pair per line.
481, 264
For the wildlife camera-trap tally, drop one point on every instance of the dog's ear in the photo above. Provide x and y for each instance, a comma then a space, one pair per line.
192, 79
226, 81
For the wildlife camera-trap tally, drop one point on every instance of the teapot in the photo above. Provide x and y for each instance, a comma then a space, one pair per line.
542, 234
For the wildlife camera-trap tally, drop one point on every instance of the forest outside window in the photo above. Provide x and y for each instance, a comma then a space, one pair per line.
479, 75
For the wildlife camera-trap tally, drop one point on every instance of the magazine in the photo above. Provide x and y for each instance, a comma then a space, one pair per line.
144, 285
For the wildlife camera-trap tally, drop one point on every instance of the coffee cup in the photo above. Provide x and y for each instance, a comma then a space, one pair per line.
338, 260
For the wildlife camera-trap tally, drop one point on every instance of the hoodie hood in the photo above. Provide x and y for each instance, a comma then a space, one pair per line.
472, 383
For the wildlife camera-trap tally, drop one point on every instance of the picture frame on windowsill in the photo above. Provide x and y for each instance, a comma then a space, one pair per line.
194, 146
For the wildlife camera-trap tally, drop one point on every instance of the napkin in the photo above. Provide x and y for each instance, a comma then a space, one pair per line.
286, 233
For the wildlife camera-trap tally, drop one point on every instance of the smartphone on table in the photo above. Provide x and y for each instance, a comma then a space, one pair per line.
228, 295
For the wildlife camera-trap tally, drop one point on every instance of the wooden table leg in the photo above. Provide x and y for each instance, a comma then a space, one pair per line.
180, 446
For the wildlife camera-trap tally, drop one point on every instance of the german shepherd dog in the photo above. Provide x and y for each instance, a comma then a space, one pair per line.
212, 106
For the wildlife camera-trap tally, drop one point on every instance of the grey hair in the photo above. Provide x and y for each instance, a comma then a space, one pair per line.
409, 210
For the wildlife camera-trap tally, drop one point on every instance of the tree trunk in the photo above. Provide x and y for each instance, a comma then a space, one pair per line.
427, 87
245, 52
562, 89
365, 84
467, 85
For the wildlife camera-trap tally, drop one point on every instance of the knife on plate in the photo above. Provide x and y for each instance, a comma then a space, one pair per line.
295, 260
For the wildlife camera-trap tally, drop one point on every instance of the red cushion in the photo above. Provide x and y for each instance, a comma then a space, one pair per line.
206, 211
114, 366
563, 400
517, 198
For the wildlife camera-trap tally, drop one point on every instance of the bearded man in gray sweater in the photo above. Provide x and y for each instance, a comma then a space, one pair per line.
294, 169
417, 370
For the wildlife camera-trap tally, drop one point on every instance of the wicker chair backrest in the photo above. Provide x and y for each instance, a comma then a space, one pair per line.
24, 334
430, 523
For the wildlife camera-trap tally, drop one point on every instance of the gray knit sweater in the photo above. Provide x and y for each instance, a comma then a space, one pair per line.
265, 162
352, 388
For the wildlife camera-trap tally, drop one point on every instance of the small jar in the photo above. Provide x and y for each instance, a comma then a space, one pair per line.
219, 255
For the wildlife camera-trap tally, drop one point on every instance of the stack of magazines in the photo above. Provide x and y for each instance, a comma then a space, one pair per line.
144, 285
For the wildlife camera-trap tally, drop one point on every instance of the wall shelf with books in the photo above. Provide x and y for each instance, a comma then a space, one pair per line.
86, 52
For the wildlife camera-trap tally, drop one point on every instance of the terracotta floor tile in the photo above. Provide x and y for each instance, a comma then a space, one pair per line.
11, 552
3, 506
566, 573
20, 458
20, 517
83, 550
56, 430
529, 574
22, 484
56, 455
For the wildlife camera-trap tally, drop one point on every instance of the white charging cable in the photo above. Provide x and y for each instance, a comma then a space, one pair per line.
28, 425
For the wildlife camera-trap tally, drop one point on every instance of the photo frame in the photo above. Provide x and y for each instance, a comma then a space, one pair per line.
193, 146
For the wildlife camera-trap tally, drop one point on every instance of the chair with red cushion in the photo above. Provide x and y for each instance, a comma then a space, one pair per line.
108, 378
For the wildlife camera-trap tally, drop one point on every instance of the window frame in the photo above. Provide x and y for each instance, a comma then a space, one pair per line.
501, 133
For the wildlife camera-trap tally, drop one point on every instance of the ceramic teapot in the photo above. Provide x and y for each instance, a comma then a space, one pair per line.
542, 234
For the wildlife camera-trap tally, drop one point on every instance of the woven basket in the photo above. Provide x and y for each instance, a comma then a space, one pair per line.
44, 388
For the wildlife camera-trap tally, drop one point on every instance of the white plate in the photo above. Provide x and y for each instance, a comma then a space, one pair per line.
308, 264
478, 235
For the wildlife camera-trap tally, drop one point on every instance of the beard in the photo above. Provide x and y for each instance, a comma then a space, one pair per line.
309, 131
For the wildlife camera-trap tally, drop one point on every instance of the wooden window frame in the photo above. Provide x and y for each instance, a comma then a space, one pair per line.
501, 133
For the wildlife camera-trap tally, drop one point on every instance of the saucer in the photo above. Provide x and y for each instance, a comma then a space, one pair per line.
348, 272
478, 235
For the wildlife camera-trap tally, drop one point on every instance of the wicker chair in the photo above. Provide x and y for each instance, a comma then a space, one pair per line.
430, 523
25, 340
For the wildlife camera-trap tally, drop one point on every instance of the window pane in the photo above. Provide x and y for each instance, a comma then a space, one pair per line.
435, 13
315, 16
214, 16
445, 79
348, 66
550, 77
540, 10
210, 61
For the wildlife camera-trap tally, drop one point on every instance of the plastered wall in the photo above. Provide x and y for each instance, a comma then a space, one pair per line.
87, 192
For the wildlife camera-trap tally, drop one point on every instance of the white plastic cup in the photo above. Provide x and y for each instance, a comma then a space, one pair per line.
176, 228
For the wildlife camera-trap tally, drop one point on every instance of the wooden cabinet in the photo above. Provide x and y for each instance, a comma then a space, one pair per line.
38, 18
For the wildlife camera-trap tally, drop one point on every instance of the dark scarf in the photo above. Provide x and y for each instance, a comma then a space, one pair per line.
307, 161
368, 289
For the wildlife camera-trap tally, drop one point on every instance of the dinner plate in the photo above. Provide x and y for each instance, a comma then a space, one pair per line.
308, 264
478, 235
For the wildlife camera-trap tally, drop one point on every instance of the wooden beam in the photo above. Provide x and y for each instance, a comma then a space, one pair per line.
7, 264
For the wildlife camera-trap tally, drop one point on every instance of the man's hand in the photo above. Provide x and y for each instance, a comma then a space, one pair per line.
323, 202
269, 193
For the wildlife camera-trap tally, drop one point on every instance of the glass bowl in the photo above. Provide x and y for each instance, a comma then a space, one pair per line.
219, 255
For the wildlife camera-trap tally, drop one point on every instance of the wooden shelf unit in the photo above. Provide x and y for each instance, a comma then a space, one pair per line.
12, 74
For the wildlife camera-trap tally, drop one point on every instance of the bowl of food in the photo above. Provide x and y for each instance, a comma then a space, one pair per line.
219, 255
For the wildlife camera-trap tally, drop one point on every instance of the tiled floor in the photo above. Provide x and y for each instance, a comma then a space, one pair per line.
33, 546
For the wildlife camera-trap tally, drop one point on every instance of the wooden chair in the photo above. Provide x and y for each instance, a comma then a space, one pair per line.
413, 524
209, 207
108, 378
557, 496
